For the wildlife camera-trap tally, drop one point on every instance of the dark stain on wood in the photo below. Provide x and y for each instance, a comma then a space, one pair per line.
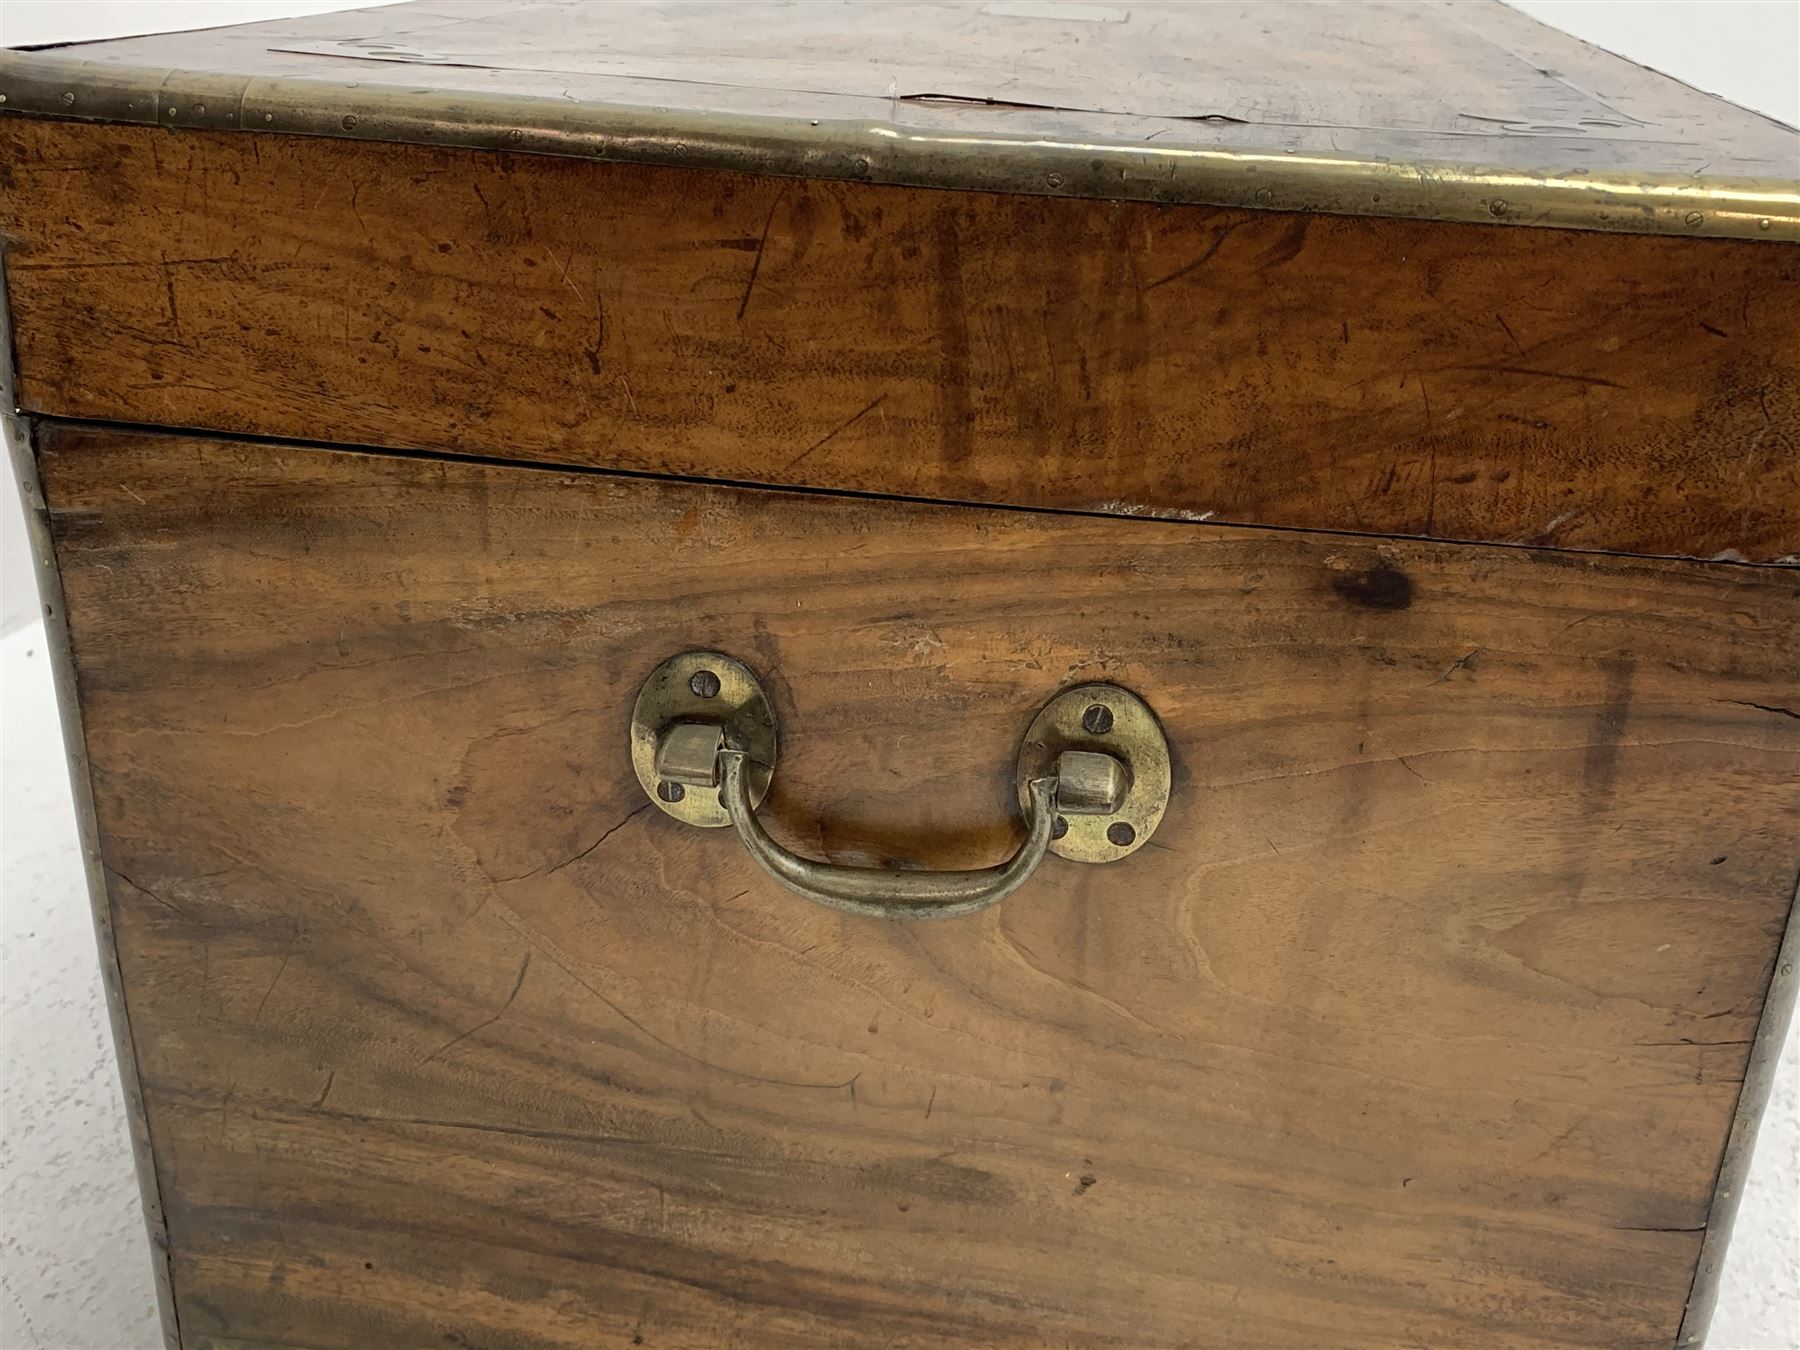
1382, 586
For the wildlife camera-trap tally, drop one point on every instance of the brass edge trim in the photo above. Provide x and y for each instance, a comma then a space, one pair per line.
9, 377
1740, 1144
881, 152
19, 441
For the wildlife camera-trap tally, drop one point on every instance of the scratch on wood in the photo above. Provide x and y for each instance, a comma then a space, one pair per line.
1461, 663
99, 266
169, 290
1775, 708
601, 840
142, 889
565, 279
1431, 468
605, 835
486, 210
485, 1022
756, 263
835, 432
1549, 532
1540, 374
1201, 261
279, 972
1511, 337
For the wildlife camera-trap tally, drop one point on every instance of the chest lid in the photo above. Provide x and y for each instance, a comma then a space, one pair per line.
1447, 111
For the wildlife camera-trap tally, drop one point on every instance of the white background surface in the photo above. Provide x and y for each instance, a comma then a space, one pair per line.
74, 1263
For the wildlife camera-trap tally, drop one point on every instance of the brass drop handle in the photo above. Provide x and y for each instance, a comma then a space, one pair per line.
1093, 777
889, 892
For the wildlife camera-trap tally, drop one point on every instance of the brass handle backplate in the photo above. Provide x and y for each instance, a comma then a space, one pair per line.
1093, 781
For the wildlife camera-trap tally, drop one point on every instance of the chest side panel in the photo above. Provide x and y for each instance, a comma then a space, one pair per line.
1421, 1020
1386, 376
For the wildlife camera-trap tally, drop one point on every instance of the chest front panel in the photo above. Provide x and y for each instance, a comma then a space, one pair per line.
1420, 1020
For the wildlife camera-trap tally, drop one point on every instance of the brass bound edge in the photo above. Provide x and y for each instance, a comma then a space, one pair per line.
17, 431
1740, 1144
884, 152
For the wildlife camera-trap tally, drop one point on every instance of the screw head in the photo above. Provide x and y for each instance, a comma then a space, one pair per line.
1058, 828
704, 683
1120, 833
1097, 720
670, 792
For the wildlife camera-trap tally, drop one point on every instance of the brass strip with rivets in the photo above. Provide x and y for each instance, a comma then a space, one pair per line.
890, 153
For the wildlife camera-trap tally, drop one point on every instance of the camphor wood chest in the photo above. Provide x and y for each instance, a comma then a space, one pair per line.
1330, 470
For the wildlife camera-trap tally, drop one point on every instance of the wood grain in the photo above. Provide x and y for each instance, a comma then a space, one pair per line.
1420, 1022
1392, 377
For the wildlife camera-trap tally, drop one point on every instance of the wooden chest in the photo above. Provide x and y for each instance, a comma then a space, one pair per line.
1275, 527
